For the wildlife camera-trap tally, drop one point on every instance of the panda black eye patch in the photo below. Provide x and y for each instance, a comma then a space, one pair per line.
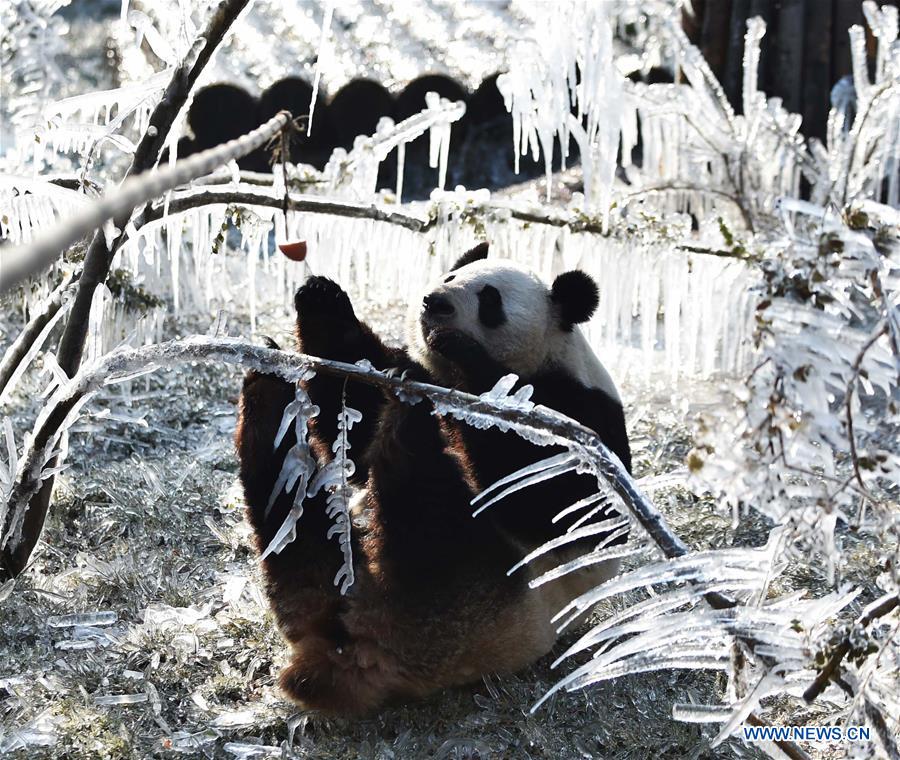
490, 307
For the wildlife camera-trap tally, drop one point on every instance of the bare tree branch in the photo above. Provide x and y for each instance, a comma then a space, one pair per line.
309, 204
876, 610
20, 516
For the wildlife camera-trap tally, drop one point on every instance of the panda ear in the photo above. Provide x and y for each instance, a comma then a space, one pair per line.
576, 297
478, 253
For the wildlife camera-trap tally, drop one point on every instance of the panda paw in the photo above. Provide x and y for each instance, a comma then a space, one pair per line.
456, 347
325, 316
409, 371
477, 370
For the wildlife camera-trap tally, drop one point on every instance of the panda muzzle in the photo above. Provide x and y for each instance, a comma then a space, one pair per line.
436, 306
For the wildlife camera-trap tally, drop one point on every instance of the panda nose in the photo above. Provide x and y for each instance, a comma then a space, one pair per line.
437, 305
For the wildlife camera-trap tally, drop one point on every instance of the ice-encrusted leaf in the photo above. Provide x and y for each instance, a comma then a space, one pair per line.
536, 477
586, 560
297, 468
528, 475
614, 528
500, 394
720, 564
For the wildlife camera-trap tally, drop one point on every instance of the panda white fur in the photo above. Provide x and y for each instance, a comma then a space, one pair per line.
530, 336
432, 605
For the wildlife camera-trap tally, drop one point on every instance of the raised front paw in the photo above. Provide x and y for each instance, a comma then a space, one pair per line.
325, 317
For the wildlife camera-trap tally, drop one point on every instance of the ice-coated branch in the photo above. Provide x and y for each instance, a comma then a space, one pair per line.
44, 315
306, 203
21, 521
676, 187
358, 169
874, 611
852, 151
294, 178
30, 259
334, 478
311, 204
98, 258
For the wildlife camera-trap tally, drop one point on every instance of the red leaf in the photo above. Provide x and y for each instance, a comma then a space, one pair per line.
294, 251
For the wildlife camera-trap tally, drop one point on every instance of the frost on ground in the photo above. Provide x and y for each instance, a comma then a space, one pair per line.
141, 629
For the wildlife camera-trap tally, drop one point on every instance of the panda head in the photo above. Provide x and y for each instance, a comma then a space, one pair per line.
520, 321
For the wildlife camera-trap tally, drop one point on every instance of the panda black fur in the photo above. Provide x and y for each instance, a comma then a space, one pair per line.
432, 605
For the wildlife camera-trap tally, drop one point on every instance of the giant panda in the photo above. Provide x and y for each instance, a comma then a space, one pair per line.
432, 605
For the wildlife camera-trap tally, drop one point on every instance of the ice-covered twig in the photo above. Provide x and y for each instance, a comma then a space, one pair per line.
678, 187
334, 477
26, 260
874, 611
179, 203
98, 258
848, 404
358, 169
297, 468
44, 315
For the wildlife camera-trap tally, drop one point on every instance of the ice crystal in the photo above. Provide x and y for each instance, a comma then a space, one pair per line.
297, 469
334, 478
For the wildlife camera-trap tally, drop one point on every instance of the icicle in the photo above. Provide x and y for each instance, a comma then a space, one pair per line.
296, 470
335, 477
401, 166
94, 346
323, 40
753, 101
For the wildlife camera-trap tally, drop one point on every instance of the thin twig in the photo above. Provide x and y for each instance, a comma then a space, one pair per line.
877, 609
848, 403
306, 203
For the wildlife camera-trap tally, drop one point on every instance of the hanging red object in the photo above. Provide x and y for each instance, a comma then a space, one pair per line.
295, 251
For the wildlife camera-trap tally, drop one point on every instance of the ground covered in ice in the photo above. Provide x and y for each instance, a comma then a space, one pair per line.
140, 628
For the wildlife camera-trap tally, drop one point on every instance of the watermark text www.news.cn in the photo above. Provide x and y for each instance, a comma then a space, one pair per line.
825, 734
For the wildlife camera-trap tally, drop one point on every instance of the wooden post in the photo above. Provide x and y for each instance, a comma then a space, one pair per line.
732, 79
766, 11
714, 35
816, 79
788, 82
